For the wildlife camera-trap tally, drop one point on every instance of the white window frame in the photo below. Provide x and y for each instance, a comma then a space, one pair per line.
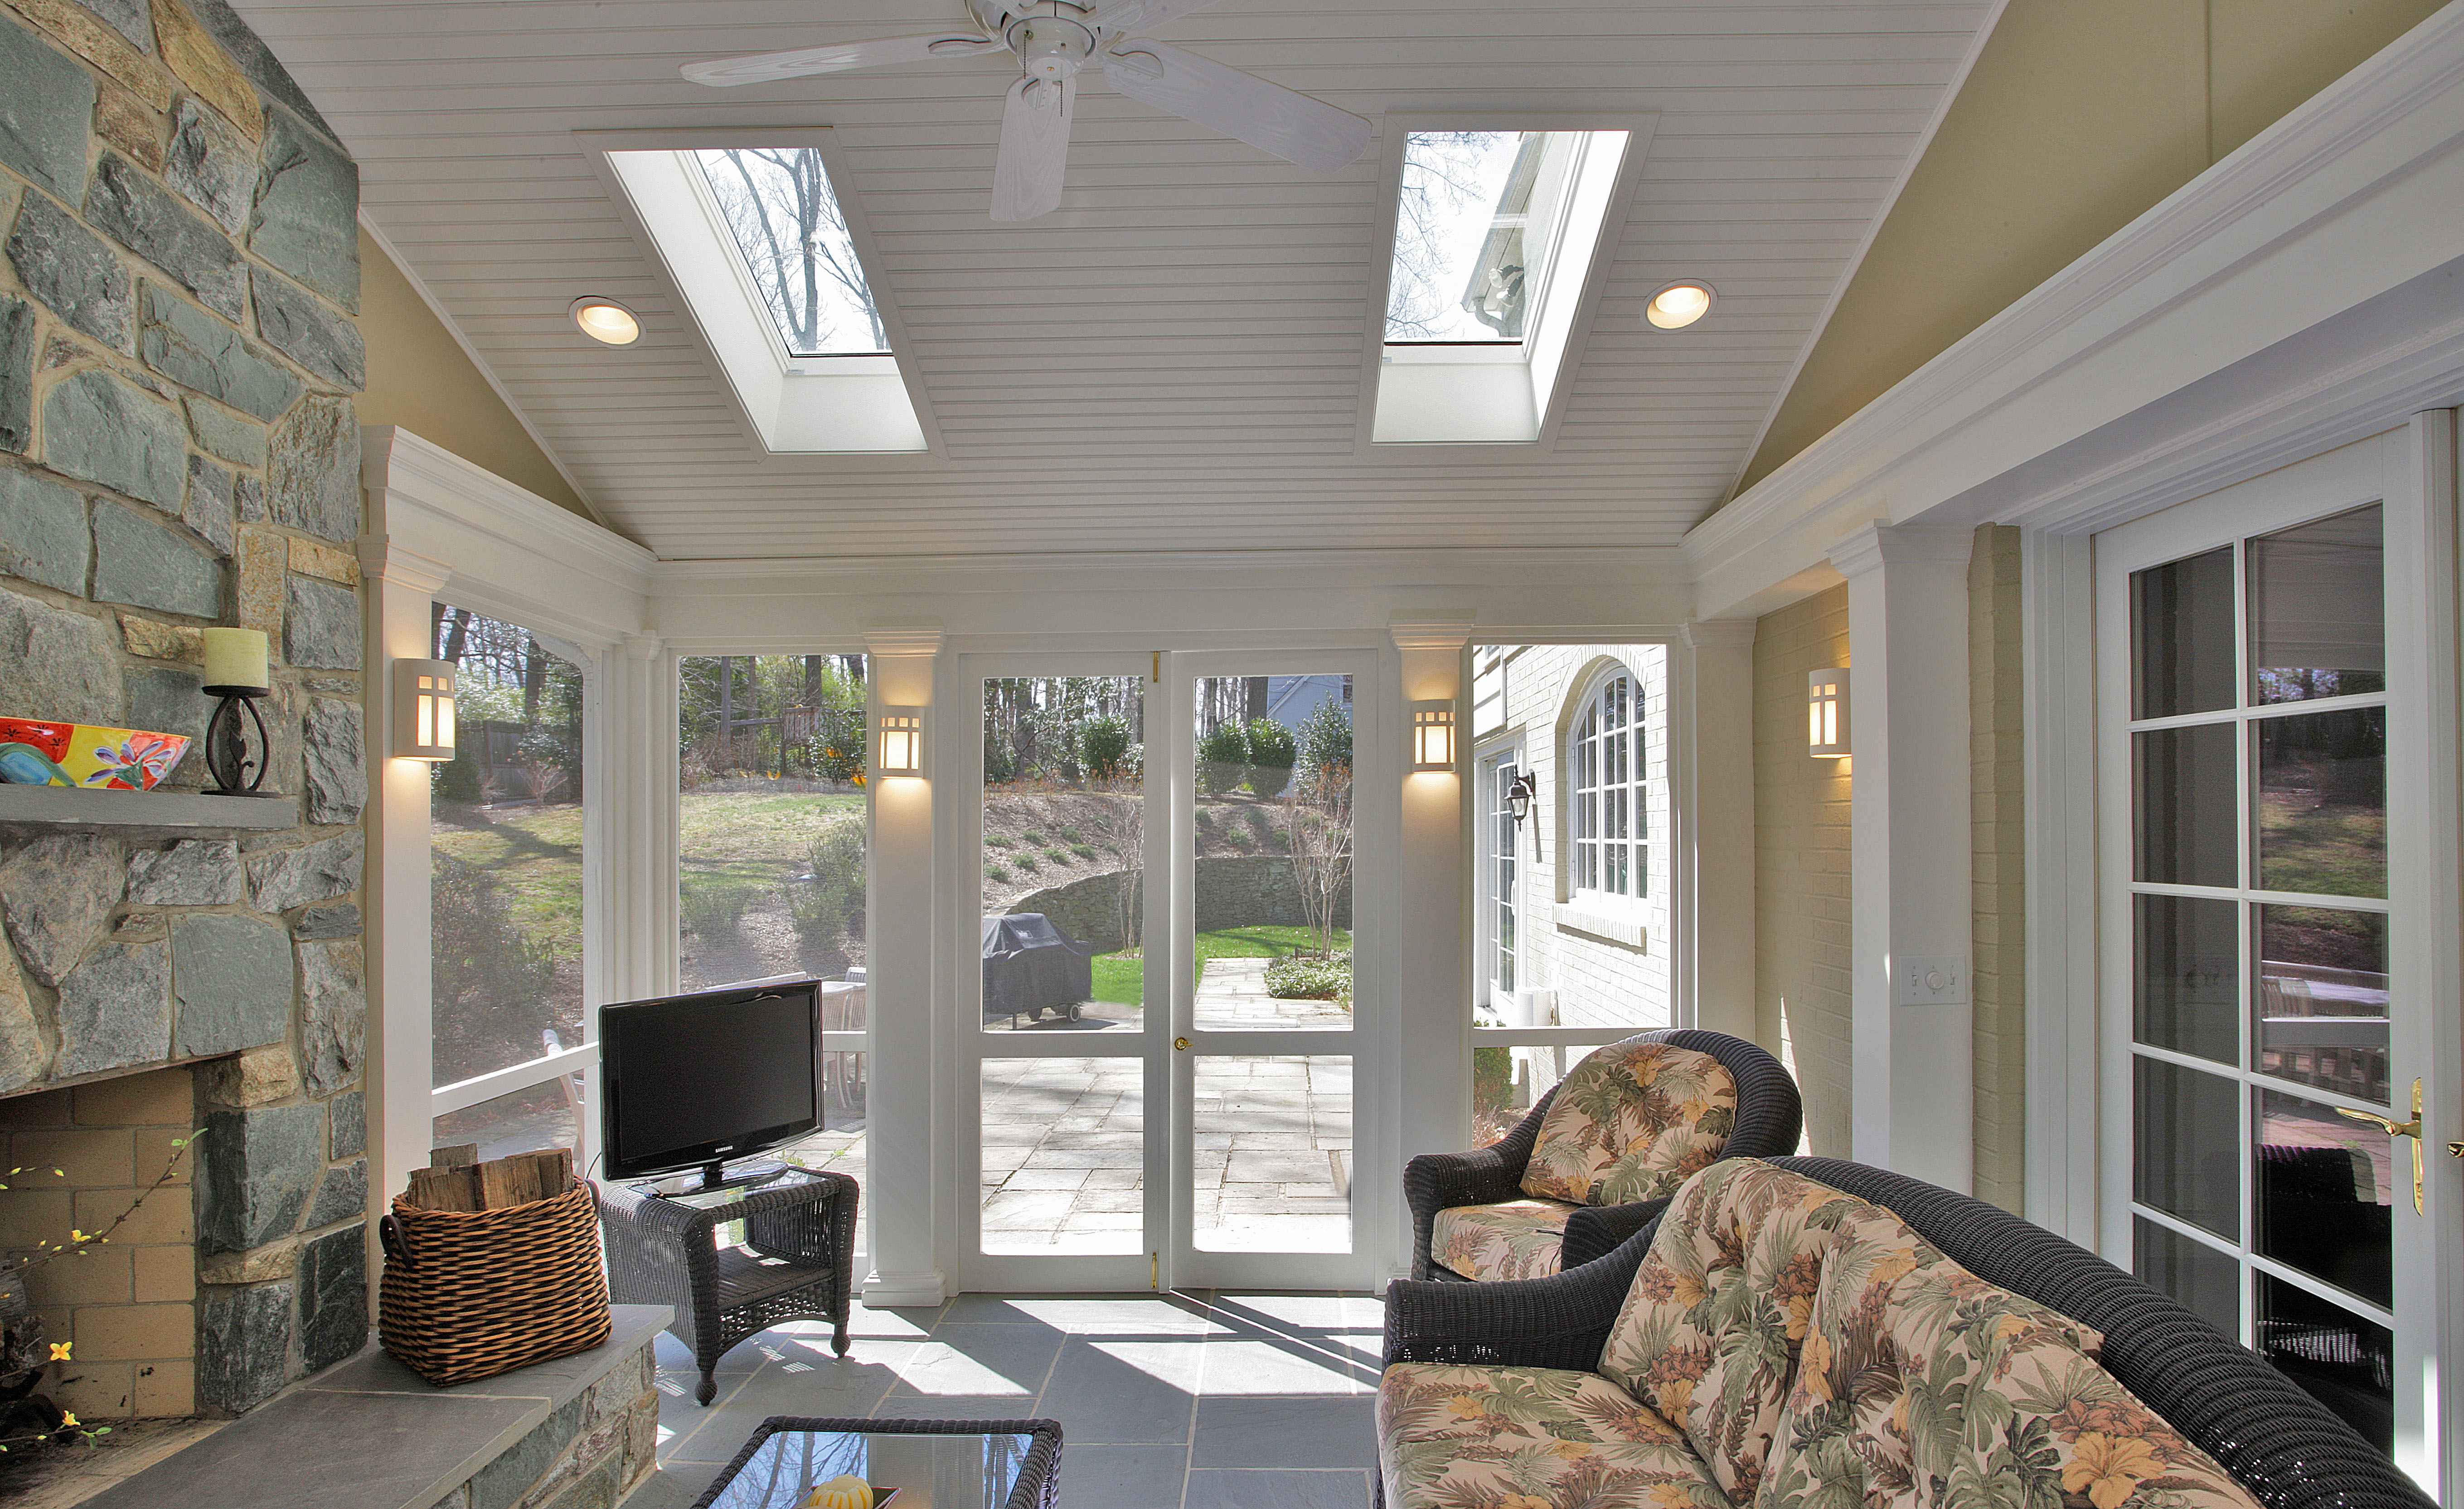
1636, 786
857, 403
1500, 394
1489, 802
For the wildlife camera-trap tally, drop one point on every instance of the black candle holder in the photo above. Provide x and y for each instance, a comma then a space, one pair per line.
227, 756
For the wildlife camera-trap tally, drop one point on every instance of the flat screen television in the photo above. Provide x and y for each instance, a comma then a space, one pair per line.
700, 1080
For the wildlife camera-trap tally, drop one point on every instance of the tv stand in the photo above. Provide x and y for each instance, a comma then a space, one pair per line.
795, 1262
744, 1175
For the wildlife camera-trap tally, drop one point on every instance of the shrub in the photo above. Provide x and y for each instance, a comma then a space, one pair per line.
1034, 839
1240, 839
829, 900
494, 986
1070, 835
1327, 979
1324, 740
1085, 851
1029, 863
1104, 748
1057, 856
999, 841
997, 872
712, 908
1223, 758
1270, 756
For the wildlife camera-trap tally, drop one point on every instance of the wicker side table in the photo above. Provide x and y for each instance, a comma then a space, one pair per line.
1012, 1464
795, 1263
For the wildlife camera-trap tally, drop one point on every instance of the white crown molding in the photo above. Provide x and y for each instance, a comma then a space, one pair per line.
1877, 545
904, 639
382, 560
1464, 564
2349, 197
1442, 631
1713, 633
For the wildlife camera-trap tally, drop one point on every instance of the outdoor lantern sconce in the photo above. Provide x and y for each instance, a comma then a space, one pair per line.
235, 671
898, 742
1433, 734
1520, 793
1826, 713
423, 709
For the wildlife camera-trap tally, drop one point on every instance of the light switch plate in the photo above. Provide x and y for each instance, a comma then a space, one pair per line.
1934, 980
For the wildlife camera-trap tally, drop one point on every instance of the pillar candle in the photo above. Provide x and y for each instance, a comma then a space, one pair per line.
235, 657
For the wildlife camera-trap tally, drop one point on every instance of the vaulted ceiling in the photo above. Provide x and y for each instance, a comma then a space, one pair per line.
1173, 361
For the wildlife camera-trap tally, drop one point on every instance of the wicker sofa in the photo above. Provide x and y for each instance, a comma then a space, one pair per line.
1845, 1362
1516, 1210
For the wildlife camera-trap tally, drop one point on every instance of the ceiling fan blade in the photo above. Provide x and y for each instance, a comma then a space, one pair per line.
1267, 115
1034, 148
726, 73
1117, 16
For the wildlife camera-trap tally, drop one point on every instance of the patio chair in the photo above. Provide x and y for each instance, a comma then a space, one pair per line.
1599, 1157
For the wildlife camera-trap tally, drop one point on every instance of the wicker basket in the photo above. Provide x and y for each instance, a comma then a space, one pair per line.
469, 1295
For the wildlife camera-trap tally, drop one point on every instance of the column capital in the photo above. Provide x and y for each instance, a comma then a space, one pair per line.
643, 647
903, 639
1877, 545
1708, 633
1431, 630
382, 560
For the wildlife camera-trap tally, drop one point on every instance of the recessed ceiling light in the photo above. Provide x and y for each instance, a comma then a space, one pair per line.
1680, 304
606, 320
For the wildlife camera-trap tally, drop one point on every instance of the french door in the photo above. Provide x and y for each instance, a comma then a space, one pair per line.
2276, 770
1158, 1073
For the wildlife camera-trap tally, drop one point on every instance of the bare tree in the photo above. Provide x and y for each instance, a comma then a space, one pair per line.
1317, 819
1440, 181
779, 203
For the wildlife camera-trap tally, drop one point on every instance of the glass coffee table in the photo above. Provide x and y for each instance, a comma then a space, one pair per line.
953, 1464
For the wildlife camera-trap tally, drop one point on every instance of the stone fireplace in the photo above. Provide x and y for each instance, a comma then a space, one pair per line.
179, 281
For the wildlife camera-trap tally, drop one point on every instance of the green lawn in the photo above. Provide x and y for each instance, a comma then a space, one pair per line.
534, 854
1121, 978
2325, 850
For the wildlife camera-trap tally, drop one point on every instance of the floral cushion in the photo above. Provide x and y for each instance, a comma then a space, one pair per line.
1631, 1122
1456, 1437
1518, 1240
1937, 1387
1712, 1329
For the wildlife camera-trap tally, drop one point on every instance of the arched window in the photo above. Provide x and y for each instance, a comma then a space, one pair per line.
1604, 780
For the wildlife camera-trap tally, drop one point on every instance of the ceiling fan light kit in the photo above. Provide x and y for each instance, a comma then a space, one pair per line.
1054, 43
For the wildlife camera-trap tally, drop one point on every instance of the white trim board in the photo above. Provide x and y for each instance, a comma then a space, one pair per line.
2349, 197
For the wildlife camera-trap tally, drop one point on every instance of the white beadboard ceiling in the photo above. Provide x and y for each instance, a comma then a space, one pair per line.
1172, 361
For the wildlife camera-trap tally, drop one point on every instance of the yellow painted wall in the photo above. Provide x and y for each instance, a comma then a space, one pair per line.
2079, 115
1803, 958
421, 380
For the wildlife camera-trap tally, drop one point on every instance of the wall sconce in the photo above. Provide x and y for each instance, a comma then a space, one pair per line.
423, 709
898, 742
1826, 713
1520, 793
1433, 734
235, 671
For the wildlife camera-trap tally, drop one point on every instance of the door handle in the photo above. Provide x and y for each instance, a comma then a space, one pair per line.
1182, 1044
2411, 1129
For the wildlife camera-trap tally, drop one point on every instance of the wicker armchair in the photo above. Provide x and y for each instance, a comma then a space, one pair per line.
1768, 1118
2284, 1447
795, 1263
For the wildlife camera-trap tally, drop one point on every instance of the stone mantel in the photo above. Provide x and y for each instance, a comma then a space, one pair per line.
164, 811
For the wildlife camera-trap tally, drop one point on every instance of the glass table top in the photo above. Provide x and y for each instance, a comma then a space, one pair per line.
970, 1471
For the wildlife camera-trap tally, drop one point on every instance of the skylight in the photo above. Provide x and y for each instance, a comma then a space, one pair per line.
1496, 235
772, 265
777, 205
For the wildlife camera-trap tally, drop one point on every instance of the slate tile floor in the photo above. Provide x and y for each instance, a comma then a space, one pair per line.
1202, 1399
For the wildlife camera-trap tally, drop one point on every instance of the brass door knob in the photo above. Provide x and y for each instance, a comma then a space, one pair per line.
1182, 1043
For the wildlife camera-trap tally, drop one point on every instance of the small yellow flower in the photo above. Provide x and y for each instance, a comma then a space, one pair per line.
2109, 1468
68, 1418
61, 1350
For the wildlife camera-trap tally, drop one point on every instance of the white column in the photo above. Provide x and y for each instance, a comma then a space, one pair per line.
1911, 896
903, 1116
1428, 1046
637, 789
401, 587
1716, 746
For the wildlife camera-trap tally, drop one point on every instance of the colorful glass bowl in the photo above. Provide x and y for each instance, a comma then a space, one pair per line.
33, 753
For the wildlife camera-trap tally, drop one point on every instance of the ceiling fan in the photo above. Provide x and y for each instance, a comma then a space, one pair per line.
1055, 40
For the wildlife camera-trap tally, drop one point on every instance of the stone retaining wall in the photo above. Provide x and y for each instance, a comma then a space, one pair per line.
178, 350
1233, 891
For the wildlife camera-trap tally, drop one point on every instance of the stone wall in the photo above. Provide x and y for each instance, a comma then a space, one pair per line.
588, 1454
1233, 891
1804, 957
178, 352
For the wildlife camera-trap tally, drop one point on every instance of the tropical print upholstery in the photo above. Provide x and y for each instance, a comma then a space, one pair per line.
1814, 1350
1518, 1240
1631, 1122
1459, 1438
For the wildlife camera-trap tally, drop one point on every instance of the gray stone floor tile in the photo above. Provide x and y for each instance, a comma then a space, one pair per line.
1272, 1489
1282, 1365
1106, 1391
674, 1487
1319, 1433
1098, 1477
957, 1407
963, 1357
